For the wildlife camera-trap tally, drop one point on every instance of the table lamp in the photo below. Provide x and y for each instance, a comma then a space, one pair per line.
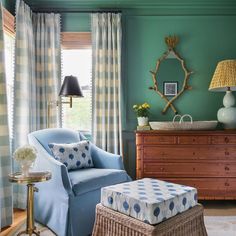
70, 88
224, 79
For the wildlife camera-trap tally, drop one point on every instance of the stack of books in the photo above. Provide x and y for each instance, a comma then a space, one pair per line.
145, 127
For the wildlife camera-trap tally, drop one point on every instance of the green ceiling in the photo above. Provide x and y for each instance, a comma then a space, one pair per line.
200, 6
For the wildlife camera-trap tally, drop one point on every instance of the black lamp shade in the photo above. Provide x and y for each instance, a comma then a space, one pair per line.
70, 87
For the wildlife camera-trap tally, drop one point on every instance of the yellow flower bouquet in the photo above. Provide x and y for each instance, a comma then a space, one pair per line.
142, 110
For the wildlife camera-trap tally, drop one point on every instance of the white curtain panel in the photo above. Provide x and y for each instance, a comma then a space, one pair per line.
5, 159
37, 77
106, 46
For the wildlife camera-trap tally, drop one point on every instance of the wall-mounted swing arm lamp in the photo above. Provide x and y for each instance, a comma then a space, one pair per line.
70, 88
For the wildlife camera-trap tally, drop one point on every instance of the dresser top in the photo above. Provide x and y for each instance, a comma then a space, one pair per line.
194, 132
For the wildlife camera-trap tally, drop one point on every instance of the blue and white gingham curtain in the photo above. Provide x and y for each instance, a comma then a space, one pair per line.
106, 46
47, 31
5, 159
37, 77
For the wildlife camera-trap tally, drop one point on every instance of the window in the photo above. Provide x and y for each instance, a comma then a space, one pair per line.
9, 67
77, 61
9, 46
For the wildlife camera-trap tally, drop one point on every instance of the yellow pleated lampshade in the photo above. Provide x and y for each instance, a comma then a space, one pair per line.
224, 76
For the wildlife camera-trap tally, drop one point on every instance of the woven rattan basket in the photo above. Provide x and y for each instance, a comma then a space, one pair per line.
111, 223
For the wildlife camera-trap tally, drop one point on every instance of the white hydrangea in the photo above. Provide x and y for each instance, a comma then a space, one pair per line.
25, 153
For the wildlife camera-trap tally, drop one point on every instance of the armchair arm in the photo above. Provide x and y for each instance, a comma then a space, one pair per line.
106, 160
45, 162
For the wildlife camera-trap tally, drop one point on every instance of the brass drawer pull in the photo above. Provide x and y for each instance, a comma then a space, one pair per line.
227, 168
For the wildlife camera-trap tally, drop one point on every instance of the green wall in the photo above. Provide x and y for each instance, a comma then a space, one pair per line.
75, 22
204, 40
6, 4
9, 5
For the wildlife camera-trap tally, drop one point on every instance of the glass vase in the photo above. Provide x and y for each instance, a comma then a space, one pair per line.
25, 167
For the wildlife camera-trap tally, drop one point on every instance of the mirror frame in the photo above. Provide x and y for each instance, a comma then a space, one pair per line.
171, 42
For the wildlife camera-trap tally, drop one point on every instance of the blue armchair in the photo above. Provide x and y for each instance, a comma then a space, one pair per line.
66, 203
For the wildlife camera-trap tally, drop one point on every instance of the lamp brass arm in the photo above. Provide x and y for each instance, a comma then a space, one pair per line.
65, 102
56, 103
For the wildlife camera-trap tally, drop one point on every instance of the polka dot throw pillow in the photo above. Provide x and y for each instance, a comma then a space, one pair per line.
73, 155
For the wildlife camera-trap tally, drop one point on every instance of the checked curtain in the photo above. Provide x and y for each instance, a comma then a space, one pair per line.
106, 46
5, 159
37, 77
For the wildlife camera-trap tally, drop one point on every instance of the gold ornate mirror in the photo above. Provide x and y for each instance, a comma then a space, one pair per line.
171, 76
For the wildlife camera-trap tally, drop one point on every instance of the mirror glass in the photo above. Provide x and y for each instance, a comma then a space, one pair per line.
170, 76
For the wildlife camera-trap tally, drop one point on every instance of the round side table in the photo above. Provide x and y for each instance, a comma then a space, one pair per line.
32, 178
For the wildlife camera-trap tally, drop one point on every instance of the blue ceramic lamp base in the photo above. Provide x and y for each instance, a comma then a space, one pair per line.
227, 114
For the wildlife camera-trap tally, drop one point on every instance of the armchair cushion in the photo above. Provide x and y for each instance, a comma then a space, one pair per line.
87, 180
73, 155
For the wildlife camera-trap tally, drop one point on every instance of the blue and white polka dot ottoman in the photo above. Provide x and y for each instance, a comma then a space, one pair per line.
149, 200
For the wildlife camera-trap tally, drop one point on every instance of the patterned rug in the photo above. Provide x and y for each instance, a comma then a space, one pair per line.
44, 231
220, 225
215, 225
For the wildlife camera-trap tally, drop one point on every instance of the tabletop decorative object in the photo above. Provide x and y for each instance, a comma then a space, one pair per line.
224, 80
142, 112
30, 179
25, 156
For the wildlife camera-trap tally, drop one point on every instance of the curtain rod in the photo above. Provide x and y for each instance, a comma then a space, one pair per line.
77, 11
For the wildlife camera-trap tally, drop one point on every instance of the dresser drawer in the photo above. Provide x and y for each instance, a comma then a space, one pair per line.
223, 139
209, 188
194, 169
160, 139
191, 139
202, 183
181, 152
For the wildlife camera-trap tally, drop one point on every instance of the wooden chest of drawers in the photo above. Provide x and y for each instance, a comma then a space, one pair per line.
202, 159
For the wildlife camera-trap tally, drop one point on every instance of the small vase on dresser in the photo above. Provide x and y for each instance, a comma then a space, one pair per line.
142, 121
142, 112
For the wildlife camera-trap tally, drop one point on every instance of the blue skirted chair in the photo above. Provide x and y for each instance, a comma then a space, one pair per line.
66, 203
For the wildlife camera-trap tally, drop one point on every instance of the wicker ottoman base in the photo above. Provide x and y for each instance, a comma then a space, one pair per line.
111, 223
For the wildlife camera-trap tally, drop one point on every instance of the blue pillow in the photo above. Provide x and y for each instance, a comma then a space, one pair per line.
73, 155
